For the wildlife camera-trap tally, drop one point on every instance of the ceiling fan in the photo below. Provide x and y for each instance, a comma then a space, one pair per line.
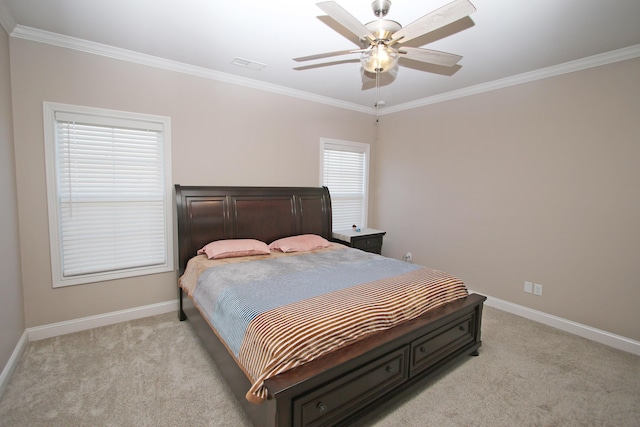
382, 40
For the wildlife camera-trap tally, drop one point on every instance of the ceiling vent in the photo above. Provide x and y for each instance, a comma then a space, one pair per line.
246, 63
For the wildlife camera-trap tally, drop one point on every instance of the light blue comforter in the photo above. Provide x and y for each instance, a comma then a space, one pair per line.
232, 295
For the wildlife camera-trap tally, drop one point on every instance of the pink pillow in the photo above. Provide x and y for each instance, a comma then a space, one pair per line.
302, 243
234, 248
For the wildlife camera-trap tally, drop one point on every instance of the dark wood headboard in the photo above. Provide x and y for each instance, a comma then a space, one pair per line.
206, 214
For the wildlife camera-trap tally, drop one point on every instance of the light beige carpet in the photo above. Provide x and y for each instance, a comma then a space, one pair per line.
154, 372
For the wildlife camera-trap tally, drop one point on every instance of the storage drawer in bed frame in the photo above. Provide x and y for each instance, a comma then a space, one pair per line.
438, 344
333, 402
343, 397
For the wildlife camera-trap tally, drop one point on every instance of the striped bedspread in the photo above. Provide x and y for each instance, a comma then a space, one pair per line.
274, 314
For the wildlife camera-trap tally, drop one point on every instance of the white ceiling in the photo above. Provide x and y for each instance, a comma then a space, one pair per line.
505, 40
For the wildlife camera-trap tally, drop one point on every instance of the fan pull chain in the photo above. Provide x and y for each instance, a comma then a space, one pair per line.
377, 95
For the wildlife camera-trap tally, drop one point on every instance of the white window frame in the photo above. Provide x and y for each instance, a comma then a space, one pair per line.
98, 116
351, 146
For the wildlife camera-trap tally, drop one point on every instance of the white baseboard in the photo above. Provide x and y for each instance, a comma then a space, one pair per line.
13, 362
82, 324
593, 334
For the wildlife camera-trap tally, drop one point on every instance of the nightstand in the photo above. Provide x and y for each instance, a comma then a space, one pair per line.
367, 239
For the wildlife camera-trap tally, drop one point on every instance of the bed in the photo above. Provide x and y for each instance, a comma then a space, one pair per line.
344, 385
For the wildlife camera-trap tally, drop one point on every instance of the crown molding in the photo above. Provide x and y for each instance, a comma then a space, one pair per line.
54, 39
543, 73
41, 36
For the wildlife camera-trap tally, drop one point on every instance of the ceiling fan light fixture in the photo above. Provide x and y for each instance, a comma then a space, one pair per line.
379, 59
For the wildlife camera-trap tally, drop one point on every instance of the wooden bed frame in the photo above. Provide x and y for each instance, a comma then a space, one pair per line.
346, 385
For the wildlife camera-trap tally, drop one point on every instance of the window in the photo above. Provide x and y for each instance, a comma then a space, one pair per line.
344, 169
109, 193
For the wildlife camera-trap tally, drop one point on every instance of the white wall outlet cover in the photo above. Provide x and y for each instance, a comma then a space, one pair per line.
528, 287
537, 289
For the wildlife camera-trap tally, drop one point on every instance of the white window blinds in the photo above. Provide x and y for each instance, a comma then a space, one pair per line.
344, 171
110, 202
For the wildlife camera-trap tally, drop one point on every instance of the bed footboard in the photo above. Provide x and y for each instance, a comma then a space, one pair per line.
350, 384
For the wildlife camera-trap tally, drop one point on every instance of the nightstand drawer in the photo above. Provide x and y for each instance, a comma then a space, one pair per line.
367, 239
367, 242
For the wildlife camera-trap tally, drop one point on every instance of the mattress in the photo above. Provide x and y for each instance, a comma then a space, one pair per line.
275, 312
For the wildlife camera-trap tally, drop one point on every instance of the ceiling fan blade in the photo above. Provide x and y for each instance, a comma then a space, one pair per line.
447, 14
430, 56
345, 19
327, 64
324, 55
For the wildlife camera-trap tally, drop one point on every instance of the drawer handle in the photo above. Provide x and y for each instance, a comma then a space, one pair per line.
320, 406
462, 328
389, 369
423, 350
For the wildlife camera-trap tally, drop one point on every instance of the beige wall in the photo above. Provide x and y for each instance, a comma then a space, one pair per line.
11, 304
222, 134
537, 182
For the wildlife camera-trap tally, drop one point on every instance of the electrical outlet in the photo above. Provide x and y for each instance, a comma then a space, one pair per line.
537, 289
528, 287
408, 257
